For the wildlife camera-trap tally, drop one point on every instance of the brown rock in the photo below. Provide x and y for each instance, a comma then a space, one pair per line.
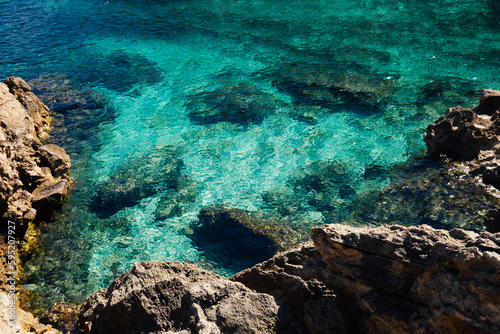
156, 297
56, 158
450, 277
489, 102
38, 111
461, 134
26, 164
295, 279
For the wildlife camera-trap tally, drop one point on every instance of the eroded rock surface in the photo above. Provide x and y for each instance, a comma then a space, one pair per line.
389, 279
415, 279
158, 297
34, 177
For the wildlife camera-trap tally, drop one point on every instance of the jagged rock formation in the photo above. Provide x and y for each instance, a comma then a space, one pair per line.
173, 297
471, 135
390, 279
34, 178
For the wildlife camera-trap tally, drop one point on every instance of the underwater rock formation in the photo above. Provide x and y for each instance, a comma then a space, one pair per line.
139, 178
239, 104
390, 279
159, 297
34, 177
242, 237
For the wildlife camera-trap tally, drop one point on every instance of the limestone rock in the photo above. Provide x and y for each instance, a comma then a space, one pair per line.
462, 134
56, 158
156, 297
416, 278
26, 164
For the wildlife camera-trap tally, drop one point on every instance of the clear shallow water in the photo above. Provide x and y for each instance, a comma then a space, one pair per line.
308, 111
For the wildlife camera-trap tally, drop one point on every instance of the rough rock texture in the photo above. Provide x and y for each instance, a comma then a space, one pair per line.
415, 279
390, 279
159, 297
472, 135
33, 176
296, 279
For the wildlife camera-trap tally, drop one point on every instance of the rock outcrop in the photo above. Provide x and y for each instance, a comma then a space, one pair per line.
390, 279
472, 136
34, 177
175, 297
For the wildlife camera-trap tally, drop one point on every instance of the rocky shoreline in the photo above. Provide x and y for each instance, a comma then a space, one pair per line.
389, 279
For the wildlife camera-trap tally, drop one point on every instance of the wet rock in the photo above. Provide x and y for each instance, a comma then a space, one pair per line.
23, 169
63, 317
139, 178
172, 297
239, 104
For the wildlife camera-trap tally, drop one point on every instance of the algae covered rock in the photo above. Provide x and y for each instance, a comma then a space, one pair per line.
139, 178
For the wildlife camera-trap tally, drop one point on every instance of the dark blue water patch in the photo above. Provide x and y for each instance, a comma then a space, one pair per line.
228, 240
121, 72
78, 114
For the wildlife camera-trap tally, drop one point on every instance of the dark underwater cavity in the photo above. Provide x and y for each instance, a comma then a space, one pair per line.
230, 238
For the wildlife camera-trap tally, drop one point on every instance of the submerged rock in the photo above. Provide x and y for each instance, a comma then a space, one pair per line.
238, 238
158, 297
34, 180
139, 178
333, 85
239, 104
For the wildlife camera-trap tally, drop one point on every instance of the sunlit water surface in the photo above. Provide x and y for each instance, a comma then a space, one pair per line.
307, 112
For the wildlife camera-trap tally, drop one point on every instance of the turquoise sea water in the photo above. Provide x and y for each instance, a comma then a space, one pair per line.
307, 112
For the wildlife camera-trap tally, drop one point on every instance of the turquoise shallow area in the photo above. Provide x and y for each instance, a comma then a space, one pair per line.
309, 112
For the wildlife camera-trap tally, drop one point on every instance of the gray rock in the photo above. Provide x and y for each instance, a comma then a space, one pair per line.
158, 297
